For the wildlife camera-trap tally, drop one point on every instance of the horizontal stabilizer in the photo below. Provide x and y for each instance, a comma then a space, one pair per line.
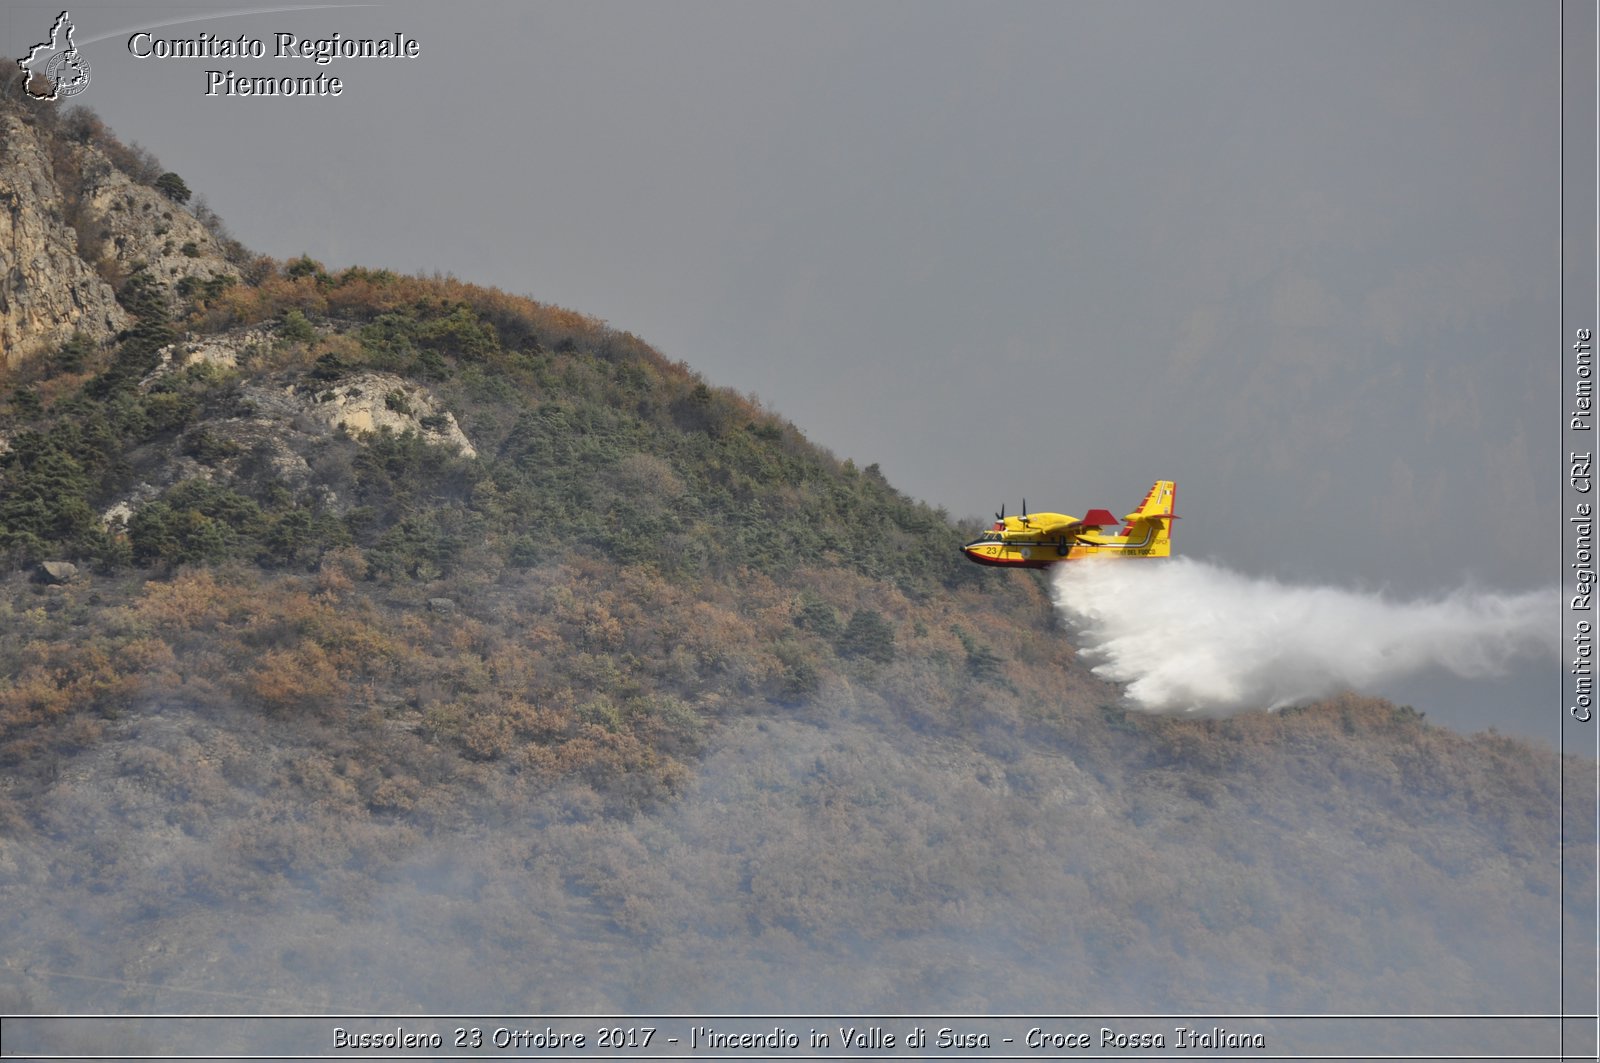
1158, 504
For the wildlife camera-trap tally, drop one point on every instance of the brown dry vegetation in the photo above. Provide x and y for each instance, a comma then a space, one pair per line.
593, 776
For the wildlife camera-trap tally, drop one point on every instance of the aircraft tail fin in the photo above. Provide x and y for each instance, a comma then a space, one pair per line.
1154, 517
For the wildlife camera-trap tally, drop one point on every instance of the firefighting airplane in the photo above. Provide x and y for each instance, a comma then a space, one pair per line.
1040, 539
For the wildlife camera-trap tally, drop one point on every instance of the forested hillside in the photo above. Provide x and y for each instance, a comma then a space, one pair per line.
375, 642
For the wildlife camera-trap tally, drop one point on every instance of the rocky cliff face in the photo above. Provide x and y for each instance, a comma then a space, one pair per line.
72, 224
135, 225
47, 290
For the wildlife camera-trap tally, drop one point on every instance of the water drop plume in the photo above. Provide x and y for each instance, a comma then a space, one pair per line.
1190, 636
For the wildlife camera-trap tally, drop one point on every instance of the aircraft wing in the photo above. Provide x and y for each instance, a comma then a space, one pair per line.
1060, 523
1054, 524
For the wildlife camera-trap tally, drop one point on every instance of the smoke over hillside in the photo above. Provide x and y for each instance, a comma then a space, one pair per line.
1188, 636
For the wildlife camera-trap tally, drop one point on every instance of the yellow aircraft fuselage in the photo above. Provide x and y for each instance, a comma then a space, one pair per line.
1040, 539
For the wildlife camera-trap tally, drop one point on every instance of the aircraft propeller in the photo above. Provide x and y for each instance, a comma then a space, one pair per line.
1001, 516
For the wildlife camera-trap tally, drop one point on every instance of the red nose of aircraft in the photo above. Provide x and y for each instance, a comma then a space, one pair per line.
990, 549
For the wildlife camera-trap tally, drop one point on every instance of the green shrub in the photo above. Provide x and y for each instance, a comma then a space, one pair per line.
71, 356
819, 616
196, 522
296, 329
173, 187
868, 635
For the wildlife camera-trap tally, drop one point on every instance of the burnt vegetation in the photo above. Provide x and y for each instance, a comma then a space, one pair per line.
651, 703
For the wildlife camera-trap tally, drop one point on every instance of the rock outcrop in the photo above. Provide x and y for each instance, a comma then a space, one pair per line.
278, 431
372, 401
47, 290
138, 226
71, 225
56, 572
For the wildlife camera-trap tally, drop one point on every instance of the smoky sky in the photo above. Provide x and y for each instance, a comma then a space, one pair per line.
1302, 258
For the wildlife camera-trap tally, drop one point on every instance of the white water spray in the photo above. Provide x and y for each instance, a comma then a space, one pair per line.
1188, 636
